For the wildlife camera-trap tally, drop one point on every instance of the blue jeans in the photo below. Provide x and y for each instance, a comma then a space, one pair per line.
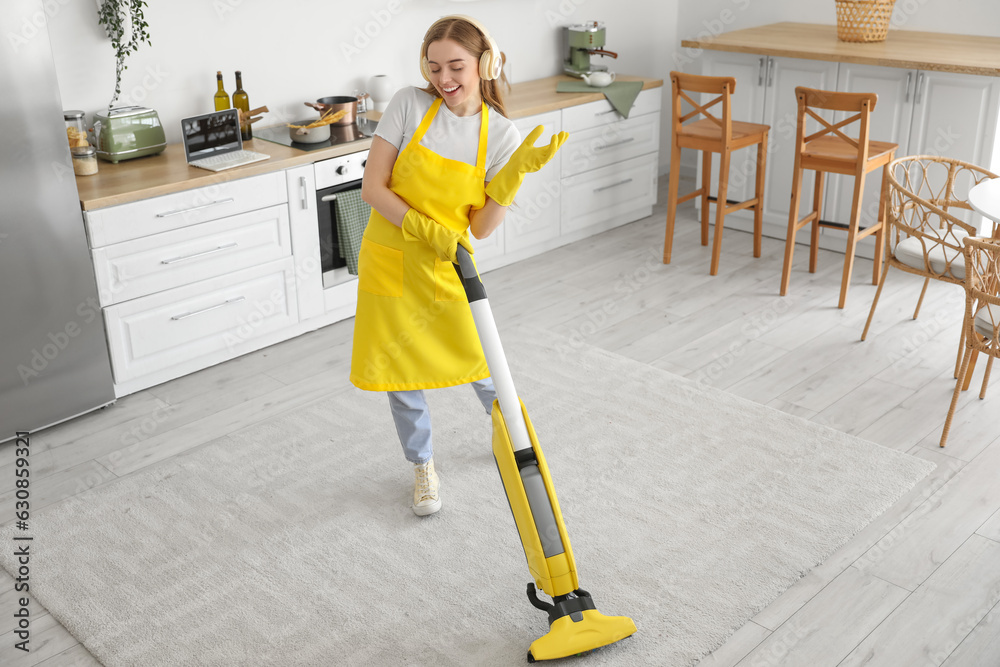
413, 418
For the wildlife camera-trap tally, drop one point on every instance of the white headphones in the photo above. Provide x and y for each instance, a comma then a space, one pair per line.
490, 64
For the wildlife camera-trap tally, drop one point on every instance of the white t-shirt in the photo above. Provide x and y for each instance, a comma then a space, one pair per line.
450, 136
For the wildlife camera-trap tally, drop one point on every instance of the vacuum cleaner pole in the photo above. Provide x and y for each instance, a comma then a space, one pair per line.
575, 625
489, 337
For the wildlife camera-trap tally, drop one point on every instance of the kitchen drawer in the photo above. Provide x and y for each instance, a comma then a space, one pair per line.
115, 224
604, 194
154, 332
594, 114
182, 256
611, 143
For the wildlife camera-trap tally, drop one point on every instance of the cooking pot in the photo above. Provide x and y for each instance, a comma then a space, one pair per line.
336, 103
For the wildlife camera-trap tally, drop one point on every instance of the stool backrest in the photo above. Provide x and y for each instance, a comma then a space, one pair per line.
862, 104
722, 86
982, 288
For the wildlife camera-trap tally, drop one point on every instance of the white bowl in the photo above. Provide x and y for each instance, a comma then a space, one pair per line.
312, 135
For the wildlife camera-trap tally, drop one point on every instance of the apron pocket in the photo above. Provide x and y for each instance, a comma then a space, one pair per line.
447, 286
380, 269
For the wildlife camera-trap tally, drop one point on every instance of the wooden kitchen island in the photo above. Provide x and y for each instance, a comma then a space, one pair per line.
938, 94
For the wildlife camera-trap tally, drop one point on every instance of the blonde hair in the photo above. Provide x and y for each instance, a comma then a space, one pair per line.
470, 38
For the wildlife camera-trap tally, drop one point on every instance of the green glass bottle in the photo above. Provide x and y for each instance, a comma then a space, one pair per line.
242, 102
221, 97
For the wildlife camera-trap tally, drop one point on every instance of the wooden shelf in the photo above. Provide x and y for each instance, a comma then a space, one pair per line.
945, 52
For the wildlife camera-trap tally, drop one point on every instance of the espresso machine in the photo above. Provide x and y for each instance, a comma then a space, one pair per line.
585, 40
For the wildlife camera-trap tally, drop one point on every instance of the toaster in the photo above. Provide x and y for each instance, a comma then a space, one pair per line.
124, 133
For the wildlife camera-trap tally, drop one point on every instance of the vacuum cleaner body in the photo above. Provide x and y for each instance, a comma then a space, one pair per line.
575, 625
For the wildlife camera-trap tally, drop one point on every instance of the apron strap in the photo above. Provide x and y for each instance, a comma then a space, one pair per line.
426, 122
484, 132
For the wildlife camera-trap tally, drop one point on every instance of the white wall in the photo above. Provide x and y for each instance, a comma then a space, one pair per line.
296, 51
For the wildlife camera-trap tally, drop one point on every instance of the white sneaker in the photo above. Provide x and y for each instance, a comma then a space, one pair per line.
425, 492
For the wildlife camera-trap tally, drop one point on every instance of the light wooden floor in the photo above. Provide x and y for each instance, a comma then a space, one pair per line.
919, 586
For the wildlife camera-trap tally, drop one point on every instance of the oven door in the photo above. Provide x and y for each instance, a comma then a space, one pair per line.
332, 262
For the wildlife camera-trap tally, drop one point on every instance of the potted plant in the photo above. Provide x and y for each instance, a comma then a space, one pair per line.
125, 24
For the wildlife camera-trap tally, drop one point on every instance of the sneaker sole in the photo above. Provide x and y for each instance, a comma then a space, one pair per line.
424, 510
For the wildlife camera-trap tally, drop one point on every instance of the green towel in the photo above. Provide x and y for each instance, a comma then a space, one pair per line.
621, 94
352, 218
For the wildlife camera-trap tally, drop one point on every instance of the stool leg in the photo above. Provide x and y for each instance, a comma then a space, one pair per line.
706, 184
817, 210
675, 179
972, 369
793, 219
920, 301
720, 209
758, 209
961, 346
852, 236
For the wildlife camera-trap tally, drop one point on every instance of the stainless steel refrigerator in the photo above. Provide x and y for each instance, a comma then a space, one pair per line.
54, 361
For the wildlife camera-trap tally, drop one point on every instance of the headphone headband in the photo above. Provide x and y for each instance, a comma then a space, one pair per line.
491, 62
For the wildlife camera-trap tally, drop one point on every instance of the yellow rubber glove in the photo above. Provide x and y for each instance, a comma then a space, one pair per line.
526, 159
444, 241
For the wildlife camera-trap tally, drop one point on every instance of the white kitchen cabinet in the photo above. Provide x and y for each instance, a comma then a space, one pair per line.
534, 217
217, 318
301, 185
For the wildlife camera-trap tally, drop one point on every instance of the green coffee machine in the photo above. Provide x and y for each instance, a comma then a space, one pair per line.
129, 132
585, 40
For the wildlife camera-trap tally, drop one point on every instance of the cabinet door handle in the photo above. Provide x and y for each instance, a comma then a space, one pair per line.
760, 71
918, 94
200, 254
329, 198
193, 208
613, 185
909, 77
617, 143
770, 72
227, 302
303, 189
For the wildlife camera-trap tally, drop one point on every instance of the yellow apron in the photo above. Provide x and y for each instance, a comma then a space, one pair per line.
413, 328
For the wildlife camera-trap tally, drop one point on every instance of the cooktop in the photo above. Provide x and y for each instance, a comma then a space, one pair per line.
341, 134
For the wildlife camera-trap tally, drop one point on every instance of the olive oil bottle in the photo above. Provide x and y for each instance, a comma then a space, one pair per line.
221, 96
242, 102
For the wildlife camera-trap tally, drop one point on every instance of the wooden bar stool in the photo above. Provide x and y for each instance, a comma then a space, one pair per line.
712, 135
830, 150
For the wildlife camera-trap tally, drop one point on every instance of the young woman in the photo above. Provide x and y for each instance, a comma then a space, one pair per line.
444, 161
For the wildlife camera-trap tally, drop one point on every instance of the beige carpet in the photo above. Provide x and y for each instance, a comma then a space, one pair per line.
291, 542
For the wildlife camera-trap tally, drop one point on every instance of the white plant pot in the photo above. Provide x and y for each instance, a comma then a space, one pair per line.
381, 89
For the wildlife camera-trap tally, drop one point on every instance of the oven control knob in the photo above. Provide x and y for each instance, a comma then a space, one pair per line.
342, 169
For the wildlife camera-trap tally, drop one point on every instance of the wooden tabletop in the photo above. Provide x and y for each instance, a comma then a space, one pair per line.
539, 96
169, 172
945, 52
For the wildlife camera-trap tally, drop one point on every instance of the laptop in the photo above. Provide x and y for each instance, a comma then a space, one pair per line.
212, 141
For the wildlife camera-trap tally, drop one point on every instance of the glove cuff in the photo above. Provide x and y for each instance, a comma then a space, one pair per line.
504, 186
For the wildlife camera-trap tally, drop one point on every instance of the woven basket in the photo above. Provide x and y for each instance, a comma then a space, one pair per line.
863, 20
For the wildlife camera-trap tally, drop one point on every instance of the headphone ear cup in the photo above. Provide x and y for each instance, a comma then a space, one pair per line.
425, 70
490, 66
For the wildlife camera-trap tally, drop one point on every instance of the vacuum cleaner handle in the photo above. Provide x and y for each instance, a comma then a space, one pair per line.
496, 360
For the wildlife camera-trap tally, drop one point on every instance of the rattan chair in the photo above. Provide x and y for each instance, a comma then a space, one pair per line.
981, 326
712, 135
924, 234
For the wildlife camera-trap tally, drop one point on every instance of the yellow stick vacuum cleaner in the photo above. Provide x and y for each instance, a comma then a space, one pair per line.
575, 625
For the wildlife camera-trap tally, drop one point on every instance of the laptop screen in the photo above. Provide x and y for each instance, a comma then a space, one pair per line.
211, 134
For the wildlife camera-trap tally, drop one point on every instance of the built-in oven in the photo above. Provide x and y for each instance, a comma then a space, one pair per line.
334, 177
